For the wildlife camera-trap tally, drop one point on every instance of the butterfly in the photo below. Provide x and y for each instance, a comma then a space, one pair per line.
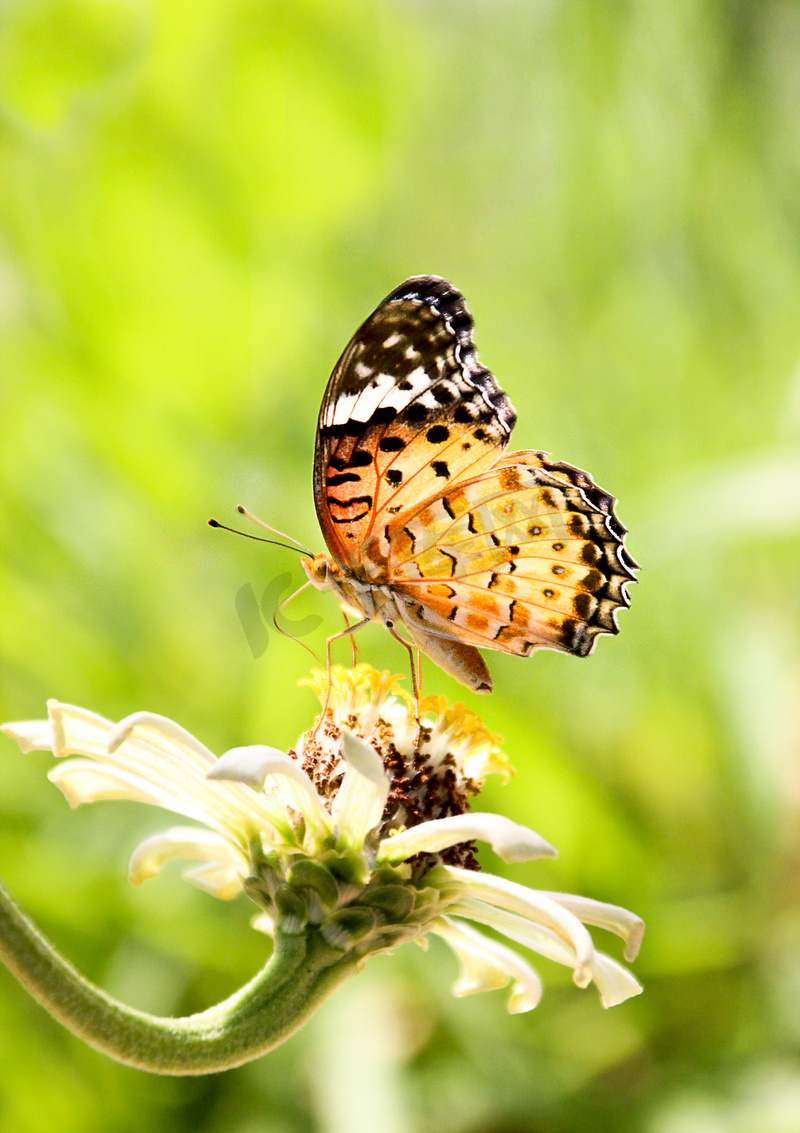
430, 526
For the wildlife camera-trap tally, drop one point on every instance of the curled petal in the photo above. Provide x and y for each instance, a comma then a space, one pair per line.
250, 765
537, 907
159, 753
615, 983
77, 731
191, 842
509, 840
524, 931
85, 781
359, 803
163, 727
219, 880
31, 735
486, 965
611, 917
254, 764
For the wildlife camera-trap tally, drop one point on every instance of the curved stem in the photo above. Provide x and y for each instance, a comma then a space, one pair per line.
302, 971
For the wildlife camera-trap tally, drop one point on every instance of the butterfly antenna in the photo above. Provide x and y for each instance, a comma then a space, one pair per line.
243, 511
258, 539
285, 632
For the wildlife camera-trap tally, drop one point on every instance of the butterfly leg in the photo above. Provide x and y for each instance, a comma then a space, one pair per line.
350, 629
414, 660
353, 645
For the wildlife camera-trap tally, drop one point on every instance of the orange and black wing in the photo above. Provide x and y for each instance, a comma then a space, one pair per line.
527, 555
408, 409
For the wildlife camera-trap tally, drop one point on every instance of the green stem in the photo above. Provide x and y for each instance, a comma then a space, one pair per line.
302, 971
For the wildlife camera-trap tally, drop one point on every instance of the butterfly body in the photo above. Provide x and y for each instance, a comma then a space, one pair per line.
429, 525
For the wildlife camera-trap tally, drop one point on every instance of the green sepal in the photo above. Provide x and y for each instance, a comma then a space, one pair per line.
444, 883
346, 927
306, 873
426, 905
347, 866
386, 874
260, 892
264, 861
292, 910
394, 901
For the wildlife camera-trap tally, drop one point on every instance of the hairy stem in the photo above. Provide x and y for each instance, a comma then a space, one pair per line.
302, 971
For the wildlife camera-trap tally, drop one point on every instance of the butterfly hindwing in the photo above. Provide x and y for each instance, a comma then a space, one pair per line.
527, 555
408, 409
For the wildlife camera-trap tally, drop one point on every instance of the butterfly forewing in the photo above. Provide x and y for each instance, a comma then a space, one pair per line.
407, 410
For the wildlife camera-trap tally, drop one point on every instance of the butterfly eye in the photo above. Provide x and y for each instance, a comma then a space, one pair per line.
321, 568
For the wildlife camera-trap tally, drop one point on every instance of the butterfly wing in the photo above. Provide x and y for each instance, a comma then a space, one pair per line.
527, 555
408, 408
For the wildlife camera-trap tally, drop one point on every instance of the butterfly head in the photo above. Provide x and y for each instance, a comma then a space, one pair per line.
321, 571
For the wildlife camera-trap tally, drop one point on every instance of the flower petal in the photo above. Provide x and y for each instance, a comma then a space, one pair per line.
249, 765
77, 731
263, 922
173, 763
486, 965
84, 781
512, 842
615, 983
359, 803
191, 842
536, 906
254, 764
163, 727
31, 735
524, 931
222, 881
611, 917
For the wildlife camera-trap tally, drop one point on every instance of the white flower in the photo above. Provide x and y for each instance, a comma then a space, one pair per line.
363, 834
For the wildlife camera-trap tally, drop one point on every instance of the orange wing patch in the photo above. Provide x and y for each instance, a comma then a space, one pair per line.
525, 560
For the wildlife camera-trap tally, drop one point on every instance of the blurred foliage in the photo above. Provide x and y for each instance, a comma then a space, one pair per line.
198, 204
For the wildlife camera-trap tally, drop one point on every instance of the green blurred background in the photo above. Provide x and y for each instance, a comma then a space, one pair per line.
199, 202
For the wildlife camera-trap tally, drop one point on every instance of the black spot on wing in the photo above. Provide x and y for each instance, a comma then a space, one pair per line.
362, 502
453, 561
391, 444
417, 413
342, 478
